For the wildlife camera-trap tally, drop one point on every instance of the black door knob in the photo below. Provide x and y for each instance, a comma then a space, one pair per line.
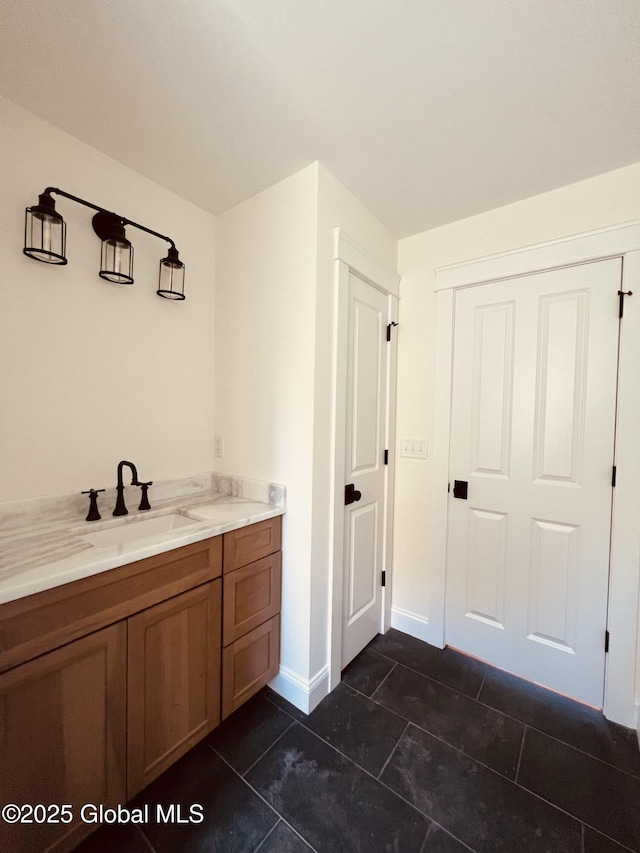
351, 494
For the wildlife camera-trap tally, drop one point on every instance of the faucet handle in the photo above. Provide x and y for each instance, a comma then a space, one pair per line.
93, 515
144, 500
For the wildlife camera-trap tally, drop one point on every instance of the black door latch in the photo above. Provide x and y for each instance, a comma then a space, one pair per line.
460, 488
351, 494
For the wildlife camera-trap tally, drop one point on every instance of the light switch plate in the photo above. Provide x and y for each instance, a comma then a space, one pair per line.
413, 448
218, 450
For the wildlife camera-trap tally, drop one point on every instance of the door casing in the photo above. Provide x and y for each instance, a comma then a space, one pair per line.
349, 257
622, 688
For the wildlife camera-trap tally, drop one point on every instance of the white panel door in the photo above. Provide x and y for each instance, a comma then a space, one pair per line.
532, 432
364, 463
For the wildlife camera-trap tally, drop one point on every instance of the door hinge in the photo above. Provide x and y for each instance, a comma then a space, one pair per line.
606, 642
386, 457
389, 330
384, 579
614, 472
622, 294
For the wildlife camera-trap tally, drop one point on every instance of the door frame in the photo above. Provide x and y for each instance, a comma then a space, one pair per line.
349, 258
622, 667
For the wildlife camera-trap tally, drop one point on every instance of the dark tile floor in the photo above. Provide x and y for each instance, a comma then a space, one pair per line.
417, 750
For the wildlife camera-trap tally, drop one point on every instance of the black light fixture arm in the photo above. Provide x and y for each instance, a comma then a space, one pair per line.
122, 219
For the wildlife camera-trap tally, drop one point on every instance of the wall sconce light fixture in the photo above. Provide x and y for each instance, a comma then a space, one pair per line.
45, 235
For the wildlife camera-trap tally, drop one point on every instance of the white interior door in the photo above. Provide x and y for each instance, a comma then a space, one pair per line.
532, 432
364, 466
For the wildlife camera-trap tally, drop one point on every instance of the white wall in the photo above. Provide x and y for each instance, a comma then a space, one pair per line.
273, 380
265, 338
94, 372
605, 200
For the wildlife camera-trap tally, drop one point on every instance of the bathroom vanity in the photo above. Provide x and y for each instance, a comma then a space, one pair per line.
107, 680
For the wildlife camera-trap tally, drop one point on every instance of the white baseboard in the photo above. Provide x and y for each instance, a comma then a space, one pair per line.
413, 624
304, 693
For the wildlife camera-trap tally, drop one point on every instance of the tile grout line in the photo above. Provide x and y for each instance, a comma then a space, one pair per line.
524, 734
583, 834
383, 680
484, 678
391, 754
439, 825
146, 840
271, 831
262, 754
265, 801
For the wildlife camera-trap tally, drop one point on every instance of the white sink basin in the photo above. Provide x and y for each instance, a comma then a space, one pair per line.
133, 530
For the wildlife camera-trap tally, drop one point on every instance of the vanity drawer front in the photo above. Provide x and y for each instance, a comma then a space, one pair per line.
249, 664
248, 544
251, 596
38, 623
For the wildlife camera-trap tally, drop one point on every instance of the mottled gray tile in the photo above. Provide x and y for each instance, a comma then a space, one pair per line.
367, 671
358, 727
235, 818
249, 732
598, 794
284, 840
439, 841
594, 842
452, 668
486, 811
284, 705
332, 803
123, 838
562, 718
479, 731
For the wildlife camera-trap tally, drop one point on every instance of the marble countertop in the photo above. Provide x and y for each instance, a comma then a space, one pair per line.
52, 551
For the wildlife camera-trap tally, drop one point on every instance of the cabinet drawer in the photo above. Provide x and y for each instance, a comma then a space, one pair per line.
249, 664
251, 596
248, 544
173, 681
38, 623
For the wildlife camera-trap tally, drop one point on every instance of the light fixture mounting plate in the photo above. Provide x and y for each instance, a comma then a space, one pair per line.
106, 224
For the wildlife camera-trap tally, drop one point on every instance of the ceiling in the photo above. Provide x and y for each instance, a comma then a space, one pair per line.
427, 110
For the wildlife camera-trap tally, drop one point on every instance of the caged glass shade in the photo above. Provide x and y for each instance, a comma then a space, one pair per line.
45, 232
116, 261
171, 284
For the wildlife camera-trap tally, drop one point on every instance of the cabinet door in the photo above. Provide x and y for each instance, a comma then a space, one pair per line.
62, 737
249, 664
251, 596
173, 680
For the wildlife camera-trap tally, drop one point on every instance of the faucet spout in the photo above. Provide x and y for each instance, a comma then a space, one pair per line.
121, 508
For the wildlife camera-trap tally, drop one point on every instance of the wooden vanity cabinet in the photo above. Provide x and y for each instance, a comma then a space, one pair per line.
106, 681
252, 569
117, 676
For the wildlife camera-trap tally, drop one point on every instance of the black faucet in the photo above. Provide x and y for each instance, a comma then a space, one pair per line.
121, 509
